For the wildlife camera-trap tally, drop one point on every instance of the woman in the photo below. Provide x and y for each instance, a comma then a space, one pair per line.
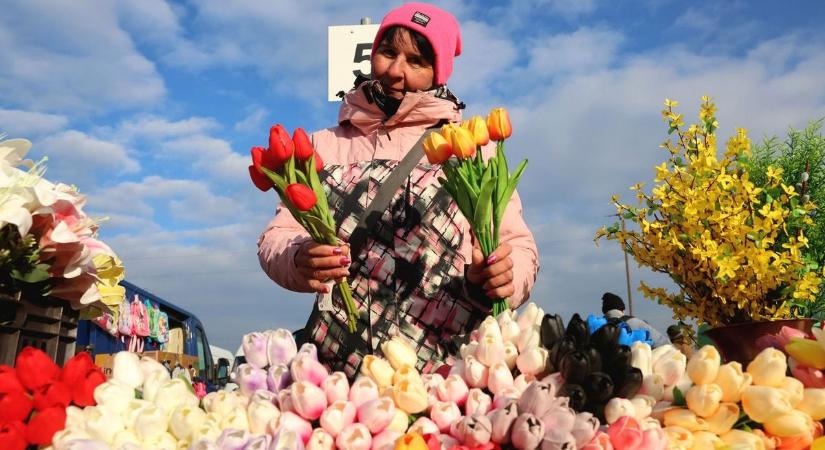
418, 274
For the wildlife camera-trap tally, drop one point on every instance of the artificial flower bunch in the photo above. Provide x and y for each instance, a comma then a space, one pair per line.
806, 354
62, 249
723, 240
291, 166
481, 188
35, 393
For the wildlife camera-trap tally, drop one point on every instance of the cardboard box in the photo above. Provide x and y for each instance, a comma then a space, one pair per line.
105, 361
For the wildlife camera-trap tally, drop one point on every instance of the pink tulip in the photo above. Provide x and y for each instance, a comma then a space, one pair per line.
561, 417
385, 440
509, 329
308, 400
505, 397
536, 399
254, 349
625, 433
338, 416
457, 368
501, 421
477, 430
810, 377
291, 422
354, 437
363, 390
653, 386
600, 442
309, 349
443, 414
478, 403
522, 381
454, 390
336, 386
530, 316
280, 347
475, 373
376, 414
304, 368
510, 355
558, 439
670, 366
499, 377
528, 339
584, 428
278, 377
490, 349
287, 440
320, 440
527, 432
285, 401
447, 441
233, 439
653, 439
431, 382
423, 426
250, 379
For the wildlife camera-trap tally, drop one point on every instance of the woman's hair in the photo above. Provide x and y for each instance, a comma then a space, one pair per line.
421, 43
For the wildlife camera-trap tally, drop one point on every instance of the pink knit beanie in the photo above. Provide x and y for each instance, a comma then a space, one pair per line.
438, 26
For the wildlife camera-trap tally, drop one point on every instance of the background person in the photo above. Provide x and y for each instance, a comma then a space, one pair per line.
613, 308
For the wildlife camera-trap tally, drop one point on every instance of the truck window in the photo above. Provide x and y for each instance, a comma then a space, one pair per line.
204, 356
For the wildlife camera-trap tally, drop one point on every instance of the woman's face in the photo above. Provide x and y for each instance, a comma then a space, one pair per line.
400, 67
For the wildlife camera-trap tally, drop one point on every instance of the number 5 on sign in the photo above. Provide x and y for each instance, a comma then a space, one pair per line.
349, 55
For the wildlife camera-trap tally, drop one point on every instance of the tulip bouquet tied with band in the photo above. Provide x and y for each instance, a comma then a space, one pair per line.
291, 166
481, 189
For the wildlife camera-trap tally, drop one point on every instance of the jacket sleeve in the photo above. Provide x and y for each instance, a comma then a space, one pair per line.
277, 247
525, 257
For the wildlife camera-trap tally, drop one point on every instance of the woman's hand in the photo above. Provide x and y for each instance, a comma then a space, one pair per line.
495, 275
320, 263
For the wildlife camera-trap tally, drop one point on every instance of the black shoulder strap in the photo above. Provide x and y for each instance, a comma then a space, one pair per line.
369, 218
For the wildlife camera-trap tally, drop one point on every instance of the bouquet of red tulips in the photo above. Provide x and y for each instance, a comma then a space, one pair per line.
291, 166
481, 189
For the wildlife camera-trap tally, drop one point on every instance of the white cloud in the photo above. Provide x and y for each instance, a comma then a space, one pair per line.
253, 121
75, 157
210, 155
56, 61
485, 60
570, 9
583, 50
28, 124
154, 127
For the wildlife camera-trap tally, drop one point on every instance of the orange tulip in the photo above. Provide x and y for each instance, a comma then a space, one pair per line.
478, 129
498, 124
437, 148
462, 142
411, 441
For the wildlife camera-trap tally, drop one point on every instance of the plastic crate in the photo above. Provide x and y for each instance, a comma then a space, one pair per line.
49, 324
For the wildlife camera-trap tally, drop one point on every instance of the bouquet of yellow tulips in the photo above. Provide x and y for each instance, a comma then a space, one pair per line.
481, 189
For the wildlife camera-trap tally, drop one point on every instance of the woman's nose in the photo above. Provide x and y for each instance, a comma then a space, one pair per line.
396, 68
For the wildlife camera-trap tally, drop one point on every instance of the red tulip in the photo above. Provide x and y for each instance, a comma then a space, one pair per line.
280, 145
15, 405
301, 196
260, 180
42, 427
55, 394
8, 380
262, 157
83, 391
303, 146
75, 369
319, 163
12, 436
35, 369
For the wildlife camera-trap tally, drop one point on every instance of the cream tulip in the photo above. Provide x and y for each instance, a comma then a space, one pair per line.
399, 352
533, 361
739, 439
768, 368
679, 438
705, 440
102, 423
260, 413
236, 419
671, 366
410, 397
320, 440
185, 419
529, 338
126, 369
686, 419
733, 381
151, 367
499, 377
792, 423
641, 357
704, 399
150, 423
761, 403
408, 373
642, 406
510, 330
379, 369
618, 407
114, 395
489, 327
510, 355
174, 393
490, 349
530, 317
793, 389
475, 372
125, 439
653, 385
400, 422
813, 403
221, 402
703, 366
723, 419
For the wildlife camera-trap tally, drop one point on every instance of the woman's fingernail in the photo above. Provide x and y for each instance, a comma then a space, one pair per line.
337, 251
492, 259
345, 260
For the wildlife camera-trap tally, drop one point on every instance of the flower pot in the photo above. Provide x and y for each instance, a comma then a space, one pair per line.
738, 342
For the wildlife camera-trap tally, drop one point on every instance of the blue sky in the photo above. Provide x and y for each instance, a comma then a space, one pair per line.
150, 107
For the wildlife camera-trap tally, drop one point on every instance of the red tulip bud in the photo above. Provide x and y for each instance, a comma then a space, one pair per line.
301, 196
12, 436
83, 391
35, 369
303, 146
262, 157
319, 163
75, 369
280, 145
42, 427
260, 180
55, 394
14, 405
8, 380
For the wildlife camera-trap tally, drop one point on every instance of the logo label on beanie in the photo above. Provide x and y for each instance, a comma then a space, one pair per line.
421, 18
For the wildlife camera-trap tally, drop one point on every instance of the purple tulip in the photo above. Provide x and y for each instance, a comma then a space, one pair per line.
278, 377
285, 401
260, 442
556, 439
254, 349
250, 379
287, 440
309, 349
280, 347
527, 432
477, 430
536, 399
560, 417
232, 439
584, 428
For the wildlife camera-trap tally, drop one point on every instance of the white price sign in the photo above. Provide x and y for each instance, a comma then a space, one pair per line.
349, 53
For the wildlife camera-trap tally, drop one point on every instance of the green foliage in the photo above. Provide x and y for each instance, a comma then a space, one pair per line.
801, 149
20, 266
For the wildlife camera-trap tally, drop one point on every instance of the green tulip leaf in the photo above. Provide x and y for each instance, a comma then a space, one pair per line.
484, 205
279, 181
504, 200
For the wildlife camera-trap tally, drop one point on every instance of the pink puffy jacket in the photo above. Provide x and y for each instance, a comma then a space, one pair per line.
362, 135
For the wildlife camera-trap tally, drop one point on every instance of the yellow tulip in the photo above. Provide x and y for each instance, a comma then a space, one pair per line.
686, 419
705, 440
768, 368
732, 381
399, 352
498, 124
478, 129
791, 423
411, 441
379, 369
762, 403
723, 419
813, 403
437, 148
407, 373
819, 444
410, 396
703, 366
742, 439
793, 389
400, 421
678, 437
462, 143
808, 352
704, 399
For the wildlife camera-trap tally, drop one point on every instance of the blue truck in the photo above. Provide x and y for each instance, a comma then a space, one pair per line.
193, 348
